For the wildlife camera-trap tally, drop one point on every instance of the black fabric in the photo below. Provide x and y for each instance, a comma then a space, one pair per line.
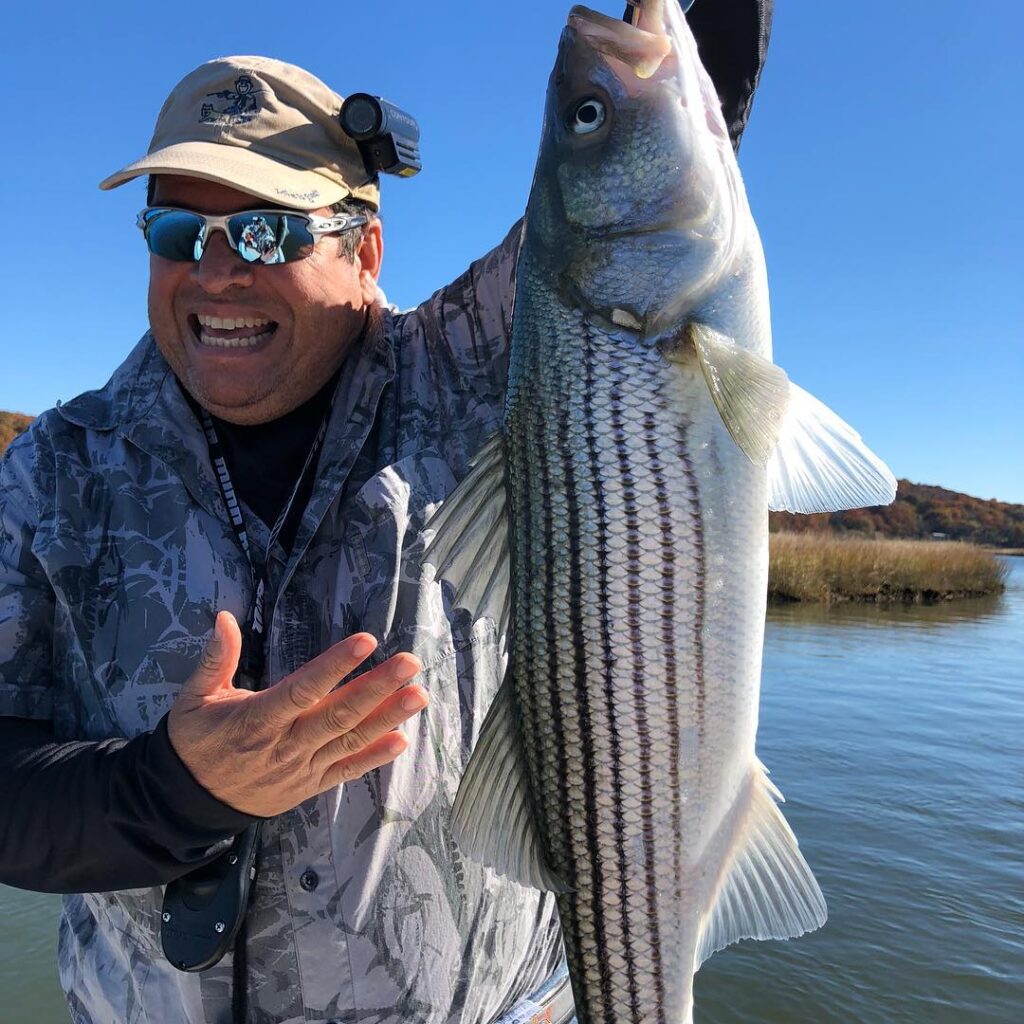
265, 460
732, 39
101, 816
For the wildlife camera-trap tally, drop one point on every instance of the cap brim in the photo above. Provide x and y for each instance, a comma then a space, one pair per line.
246, 171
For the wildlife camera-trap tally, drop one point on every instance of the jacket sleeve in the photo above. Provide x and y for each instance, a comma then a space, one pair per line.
454, 347
80, 816
100, 816
26, 597
732, 39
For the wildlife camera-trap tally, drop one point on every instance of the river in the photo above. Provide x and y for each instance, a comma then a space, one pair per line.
897, 736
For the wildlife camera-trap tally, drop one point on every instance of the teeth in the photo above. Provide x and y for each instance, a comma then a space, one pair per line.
231, 323
247, 342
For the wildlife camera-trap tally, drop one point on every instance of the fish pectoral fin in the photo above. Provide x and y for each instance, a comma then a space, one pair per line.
820, 463
750, 393
765, 890
492, 817
816, 461
470, 544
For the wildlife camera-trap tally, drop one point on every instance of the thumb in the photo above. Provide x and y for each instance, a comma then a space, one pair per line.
219, 660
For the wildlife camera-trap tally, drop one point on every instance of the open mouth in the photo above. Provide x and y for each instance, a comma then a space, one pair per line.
643, 46
237, 332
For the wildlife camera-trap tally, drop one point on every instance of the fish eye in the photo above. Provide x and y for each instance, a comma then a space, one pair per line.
587, 117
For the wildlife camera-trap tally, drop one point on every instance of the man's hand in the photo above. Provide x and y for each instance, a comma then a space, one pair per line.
265, 752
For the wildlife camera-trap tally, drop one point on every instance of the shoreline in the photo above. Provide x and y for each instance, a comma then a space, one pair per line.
826, 568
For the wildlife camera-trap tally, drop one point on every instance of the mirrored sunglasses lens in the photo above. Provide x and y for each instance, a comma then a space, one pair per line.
173, 234
270, 237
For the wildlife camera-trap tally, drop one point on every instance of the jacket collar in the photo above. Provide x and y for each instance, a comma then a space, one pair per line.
143, 403
369, 368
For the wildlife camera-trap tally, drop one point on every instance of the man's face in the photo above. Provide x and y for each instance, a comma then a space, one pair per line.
305, 315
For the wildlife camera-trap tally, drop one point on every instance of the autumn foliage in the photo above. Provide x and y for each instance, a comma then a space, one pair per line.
920, 511
11, 425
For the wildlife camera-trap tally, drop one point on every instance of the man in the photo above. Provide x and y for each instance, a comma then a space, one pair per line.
262, 464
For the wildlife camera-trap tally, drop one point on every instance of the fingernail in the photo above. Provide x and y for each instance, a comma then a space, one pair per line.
414, 701
406, 670
363, 647
218, 629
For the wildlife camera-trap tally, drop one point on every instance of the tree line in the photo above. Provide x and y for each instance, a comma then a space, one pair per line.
920, 511
11, 425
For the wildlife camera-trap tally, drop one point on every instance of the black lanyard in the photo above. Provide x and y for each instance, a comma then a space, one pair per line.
203, 913
252, 662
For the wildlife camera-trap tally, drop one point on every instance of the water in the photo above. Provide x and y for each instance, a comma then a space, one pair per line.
898, 738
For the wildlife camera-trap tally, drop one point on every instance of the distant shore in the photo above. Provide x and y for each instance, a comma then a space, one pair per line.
827, 568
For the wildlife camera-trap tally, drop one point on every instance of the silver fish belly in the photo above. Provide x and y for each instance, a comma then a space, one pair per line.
636, 651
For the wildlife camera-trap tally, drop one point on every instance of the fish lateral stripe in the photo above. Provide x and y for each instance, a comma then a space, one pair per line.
566, 864
579, 676
608, 659
696, 522
668, 626
621, 432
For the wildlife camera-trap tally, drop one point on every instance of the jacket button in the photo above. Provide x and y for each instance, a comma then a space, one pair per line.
309, 880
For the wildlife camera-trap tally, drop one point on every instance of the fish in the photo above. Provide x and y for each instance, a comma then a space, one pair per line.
615, 529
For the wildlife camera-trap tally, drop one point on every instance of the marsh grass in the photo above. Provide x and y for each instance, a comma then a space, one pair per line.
818, 567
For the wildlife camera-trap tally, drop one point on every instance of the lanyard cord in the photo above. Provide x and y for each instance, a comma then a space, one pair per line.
252, 662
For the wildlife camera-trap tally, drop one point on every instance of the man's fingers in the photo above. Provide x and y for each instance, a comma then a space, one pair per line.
392, 712
343, 710
379, 753
307, 686
219, 660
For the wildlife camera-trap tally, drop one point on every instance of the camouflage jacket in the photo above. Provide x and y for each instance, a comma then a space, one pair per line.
116, 553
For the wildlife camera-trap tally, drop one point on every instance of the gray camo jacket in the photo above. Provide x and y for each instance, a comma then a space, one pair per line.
115, 555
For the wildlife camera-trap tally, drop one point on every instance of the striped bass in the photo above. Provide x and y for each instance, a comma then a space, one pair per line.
617, 530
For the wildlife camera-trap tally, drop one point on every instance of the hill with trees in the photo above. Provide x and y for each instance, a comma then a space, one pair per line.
920, 511
11, 425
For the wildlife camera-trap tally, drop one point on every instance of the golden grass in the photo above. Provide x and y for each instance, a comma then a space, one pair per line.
824, 567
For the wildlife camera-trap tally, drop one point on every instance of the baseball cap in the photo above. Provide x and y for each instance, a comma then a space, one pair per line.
261, 126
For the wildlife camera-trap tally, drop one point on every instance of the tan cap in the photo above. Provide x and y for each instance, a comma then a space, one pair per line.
261, 126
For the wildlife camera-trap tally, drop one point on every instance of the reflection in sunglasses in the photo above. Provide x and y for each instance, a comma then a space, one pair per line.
259, 241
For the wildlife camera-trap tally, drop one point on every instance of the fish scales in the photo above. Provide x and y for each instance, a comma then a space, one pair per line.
611, 561
646, 434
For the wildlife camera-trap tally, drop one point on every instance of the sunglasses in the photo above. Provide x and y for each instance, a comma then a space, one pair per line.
258, 236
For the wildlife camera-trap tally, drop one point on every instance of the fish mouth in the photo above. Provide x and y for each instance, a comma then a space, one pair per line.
641, 47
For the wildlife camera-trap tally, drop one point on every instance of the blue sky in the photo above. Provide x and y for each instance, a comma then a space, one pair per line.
883, 165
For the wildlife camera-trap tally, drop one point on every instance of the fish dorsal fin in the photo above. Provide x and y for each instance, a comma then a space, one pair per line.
820, 463
492, 817
766, 890
750, 393
469, 548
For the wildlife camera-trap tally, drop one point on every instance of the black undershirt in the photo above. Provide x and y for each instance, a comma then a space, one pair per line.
265, 460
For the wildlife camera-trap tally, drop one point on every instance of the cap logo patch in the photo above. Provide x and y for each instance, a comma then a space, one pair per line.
234, 106
302, 197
